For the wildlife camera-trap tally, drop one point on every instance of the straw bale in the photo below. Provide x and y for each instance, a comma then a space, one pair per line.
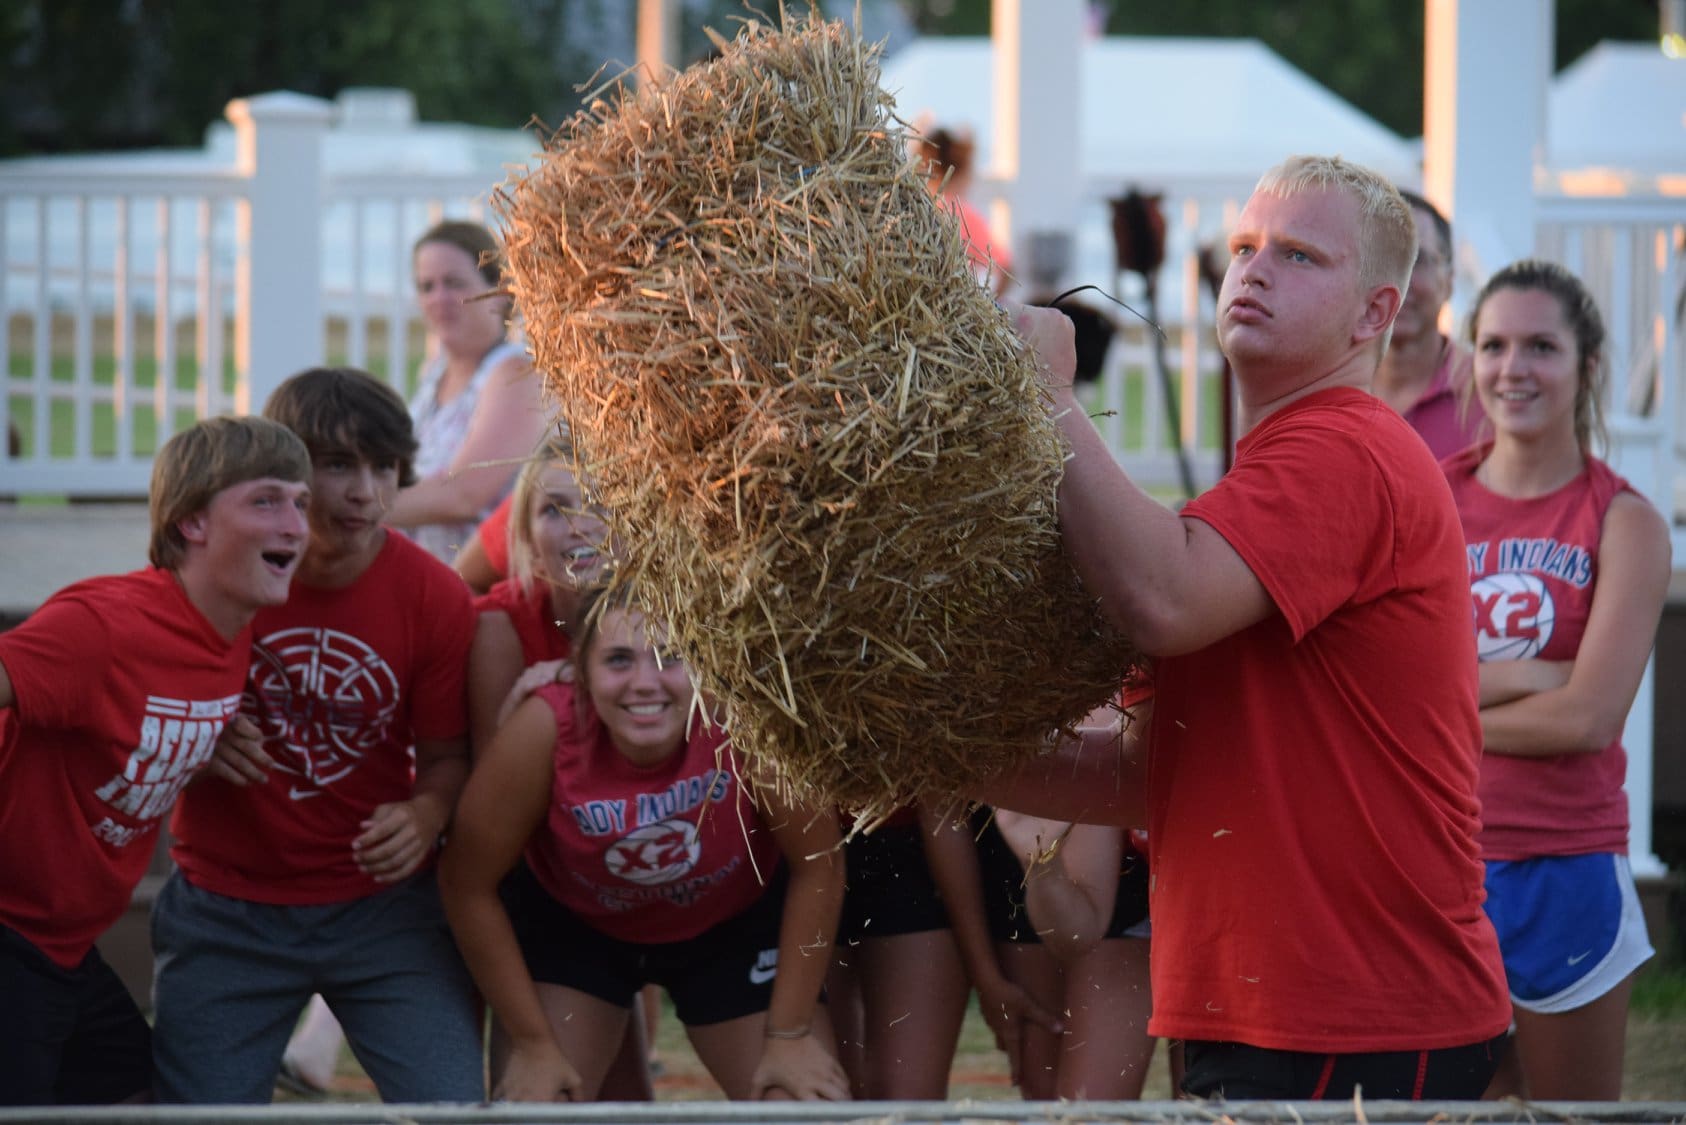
827, 459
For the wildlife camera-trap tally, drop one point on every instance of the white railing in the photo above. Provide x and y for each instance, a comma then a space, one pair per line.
61, 298
1631, 252
137, 295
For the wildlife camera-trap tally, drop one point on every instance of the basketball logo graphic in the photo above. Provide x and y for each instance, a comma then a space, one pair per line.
323, 699
1513, 615
656, 853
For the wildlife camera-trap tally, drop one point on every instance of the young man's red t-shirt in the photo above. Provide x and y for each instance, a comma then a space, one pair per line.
122, 688
1315, 883
342, 683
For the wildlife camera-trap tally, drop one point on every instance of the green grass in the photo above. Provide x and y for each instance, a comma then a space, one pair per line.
1659, 990
1209, 432
142, 415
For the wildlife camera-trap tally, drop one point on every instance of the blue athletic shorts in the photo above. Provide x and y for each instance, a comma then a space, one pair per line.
1570, 927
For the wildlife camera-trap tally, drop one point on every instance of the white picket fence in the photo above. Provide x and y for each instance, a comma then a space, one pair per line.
136, 296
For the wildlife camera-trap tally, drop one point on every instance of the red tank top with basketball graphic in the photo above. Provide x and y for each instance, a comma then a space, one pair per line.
647, 854
531, 616
342, 683
122, 687
1533, 566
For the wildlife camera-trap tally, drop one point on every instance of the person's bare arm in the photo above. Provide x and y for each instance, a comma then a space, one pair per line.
793, 1061
476, 569
952, 856
504, 802
239, 757
1505, 680
495, 662
1172, 585
1586, 714
1071, 878
1098, 777
506, 424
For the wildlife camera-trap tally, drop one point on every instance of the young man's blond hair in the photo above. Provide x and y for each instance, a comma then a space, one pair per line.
1387, 231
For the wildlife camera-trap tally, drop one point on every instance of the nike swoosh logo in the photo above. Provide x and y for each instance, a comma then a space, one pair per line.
1582, 957
306, 794
758, 975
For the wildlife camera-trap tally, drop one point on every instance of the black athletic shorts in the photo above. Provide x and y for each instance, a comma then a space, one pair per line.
67, 1036
890, 889
1239, 1072
1129, 905
721, 974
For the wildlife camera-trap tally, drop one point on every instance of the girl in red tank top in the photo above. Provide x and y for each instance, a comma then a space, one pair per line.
647, 851
555, 549
1568, 571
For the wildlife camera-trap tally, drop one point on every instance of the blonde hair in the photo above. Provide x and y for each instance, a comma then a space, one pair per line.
200, 462
1387, 231
555, 447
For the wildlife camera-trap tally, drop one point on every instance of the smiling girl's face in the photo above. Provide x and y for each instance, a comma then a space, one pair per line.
1528, 367
567, 536
639, 689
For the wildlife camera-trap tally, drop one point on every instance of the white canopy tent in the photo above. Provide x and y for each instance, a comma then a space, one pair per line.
1620, 107
1191, 117
1160, 109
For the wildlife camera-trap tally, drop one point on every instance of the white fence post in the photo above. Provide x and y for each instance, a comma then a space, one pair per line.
278, 288
1486, 71
1038, 66
657, 39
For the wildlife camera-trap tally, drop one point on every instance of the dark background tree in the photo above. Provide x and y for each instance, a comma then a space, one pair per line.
78, 74
81, 74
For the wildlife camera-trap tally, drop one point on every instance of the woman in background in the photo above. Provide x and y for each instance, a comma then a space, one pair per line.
946, 159
478, 409
1568, 571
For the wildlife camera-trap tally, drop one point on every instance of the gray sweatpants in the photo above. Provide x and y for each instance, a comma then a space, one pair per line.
232, 976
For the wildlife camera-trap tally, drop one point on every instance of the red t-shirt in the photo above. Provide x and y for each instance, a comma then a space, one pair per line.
1533, 566
648, 854
1316, 884
542, 637
122, 688
342, 683
494, 536
1441, 417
